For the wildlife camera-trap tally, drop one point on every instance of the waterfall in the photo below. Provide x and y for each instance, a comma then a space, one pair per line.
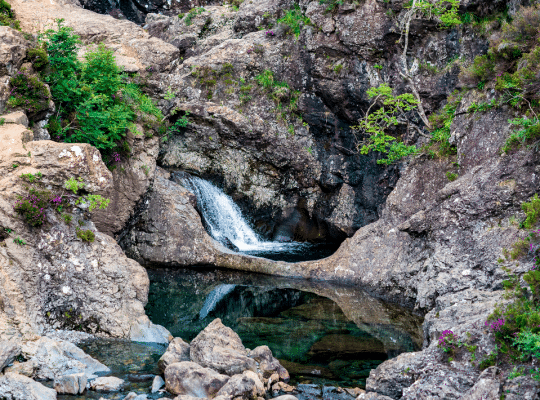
224, 219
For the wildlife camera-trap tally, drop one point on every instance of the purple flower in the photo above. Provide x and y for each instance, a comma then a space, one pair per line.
269, 33
495, 326
116, 157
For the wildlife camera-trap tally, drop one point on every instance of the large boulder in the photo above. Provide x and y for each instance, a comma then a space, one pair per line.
54, 359
71, 384
107, 384
155, 237
189, 378
20, 387
177, 351
267, 364
220, 348
245, 386
143, 330
55, 279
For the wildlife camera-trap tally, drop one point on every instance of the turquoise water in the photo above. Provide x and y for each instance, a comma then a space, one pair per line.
322, 333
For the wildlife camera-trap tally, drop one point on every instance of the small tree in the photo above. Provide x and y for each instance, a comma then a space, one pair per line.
443, 10
391, 110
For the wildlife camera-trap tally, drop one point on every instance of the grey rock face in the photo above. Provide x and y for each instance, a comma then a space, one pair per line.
177, 351
18, 387
155, 239
220, 348
130, 181
71, 384
522, 388
487, 387
189, 378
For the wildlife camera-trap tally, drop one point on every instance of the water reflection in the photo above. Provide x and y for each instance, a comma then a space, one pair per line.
321, 332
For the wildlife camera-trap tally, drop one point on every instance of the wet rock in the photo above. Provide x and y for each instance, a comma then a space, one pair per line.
71, 384
8, 351
286, 397
107, 384
19, 387
245, 386
268, 365
157, 384
220, 348
189, 378
177, 351
188, 246
143, 330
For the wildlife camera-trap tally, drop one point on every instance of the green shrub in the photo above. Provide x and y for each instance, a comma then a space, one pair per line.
86, 235
74, 185
529, 344
95, 102
28, 92
19, 241
532, 211
295, 20
481, 70
7, 16
451, 176
38, 57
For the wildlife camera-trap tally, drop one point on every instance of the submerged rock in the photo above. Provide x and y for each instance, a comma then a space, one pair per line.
189, 378
220, 348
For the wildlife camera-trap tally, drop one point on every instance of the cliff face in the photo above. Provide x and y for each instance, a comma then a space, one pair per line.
270, 116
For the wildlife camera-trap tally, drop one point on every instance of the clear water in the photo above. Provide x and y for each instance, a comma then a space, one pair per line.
226, 224
322, 333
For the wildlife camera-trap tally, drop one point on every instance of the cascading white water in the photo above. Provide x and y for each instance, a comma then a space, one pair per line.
224, 218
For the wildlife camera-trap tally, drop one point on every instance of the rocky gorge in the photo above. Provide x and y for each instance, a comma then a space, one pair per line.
268, 109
